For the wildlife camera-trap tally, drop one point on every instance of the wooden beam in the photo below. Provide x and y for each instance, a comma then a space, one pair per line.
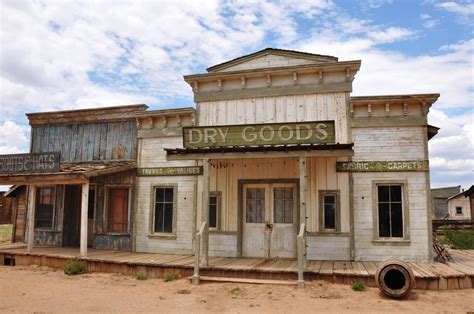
303, 187
273, 91
366, 122
31, 217
254, 155
84, 210
205, 213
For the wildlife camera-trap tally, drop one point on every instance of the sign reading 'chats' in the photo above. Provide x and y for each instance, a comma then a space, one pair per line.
317, 132
29, 163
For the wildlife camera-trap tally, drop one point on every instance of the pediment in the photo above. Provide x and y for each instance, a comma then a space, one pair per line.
269, 58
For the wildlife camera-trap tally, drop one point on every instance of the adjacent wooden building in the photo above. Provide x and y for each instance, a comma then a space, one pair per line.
277, 160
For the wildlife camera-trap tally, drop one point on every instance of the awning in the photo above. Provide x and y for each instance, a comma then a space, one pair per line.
261, 151
69, 173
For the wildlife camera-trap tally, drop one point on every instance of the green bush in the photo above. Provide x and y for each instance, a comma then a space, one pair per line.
75, 267
357, 286
171, 276
460, 239
141, 277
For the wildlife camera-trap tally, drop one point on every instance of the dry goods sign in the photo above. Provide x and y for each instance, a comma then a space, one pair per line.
317, 132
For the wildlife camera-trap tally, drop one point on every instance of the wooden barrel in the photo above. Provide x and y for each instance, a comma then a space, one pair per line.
395, 279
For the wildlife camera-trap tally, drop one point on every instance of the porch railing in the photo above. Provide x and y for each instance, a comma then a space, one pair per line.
197, 251
301, 244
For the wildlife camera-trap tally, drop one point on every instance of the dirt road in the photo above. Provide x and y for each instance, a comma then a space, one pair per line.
39, 289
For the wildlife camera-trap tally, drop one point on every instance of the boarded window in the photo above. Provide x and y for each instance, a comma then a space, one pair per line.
390, 206
283, 204
117, 218
44, 211
458, 210
164, 205
329, 206
214, 201
255, 205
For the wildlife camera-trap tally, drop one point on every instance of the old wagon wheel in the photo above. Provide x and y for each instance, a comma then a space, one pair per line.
395, 279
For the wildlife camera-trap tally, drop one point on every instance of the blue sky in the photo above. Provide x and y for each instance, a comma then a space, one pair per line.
58, 55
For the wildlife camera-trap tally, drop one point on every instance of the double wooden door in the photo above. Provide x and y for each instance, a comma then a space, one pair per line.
269, 220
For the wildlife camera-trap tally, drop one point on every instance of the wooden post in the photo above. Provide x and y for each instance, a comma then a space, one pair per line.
205, 213
301, 243
31, 217
84, 210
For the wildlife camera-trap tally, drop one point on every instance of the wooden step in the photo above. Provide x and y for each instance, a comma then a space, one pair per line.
247, 280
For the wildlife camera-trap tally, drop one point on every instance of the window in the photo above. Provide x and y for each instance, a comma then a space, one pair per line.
44, 211
117, 210
91, 204
390, 210
164, 208
329, 211
458, 210
255, 204
283, 205
214, 209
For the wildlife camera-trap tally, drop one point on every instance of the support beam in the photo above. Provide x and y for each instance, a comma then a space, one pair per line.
84, 210
31, 217
205, 213
301, 239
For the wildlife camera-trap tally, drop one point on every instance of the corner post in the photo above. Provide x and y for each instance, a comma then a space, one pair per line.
84, 210
31, 217
301, 243
205, 213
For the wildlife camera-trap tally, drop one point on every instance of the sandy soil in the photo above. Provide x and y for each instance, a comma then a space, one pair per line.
40, 289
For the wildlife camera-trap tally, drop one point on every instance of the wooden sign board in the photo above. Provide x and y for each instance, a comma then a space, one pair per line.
382, 166
170, 171
29, 163
316, 132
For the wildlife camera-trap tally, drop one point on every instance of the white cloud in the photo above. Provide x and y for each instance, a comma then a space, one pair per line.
13, 138
458, 8
428, 21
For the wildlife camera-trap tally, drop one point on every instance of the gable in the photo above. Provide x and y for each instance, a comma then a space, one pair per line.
269, 58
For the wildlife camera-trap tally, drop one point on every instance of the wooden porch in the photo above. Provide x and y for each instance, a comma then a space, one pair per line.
433, 276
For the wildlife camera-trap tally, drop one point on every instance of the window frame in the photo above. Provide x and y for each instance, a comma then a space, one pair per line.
405, 240
53, 219
337, 213
106, 207
151, 232
217, 194
456, 211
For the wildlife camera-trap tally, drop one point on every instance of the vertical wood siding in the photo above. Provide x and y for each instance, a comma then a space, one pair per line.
291, 108
87, 142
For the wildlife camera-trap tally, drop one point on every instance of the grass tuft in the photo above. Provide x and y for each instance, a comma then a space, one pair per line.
75, 267
357, 286
171, 276
142, 277
460, 239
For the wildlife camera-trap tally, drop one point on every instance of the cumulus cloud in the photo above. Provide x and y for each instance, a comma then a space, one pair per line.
57, 56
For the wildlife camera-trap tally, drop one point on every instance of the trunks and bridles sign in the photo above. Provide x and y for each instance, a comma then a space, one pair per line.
316, 132
170, 171
382, 166
29, 163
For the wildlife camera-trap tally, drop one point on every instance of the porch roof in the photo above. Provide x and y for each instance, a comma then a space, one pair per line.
69, 173
258, 151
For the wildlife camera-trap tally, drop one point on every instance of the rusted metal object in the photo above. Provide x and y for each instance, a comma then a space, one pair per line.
395, 279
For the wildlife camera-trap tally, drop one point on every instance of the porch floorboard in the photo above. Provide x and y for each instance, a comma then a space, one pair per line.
452, 275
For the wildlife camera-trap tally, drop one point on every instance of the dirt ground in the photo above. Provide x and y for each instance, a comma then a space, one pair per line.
5, 233
40, 289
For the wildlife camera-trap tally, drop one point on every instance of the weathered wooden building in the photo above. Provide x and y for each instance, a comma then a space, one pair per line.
440, 200
280, 148
276, 160
76, 187
459, 205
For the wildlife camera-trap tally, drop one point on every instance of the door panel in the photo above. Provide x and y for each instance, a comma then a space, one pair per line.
269, 220
283, 235
254, 240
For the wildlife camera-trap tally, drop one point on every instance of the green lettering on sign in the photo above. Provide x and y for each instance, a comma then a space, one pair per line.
382, 166
317, 132
170, 171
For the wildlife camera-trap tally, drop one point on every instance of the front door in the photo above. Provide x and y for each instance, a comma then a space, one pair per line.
269, 220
